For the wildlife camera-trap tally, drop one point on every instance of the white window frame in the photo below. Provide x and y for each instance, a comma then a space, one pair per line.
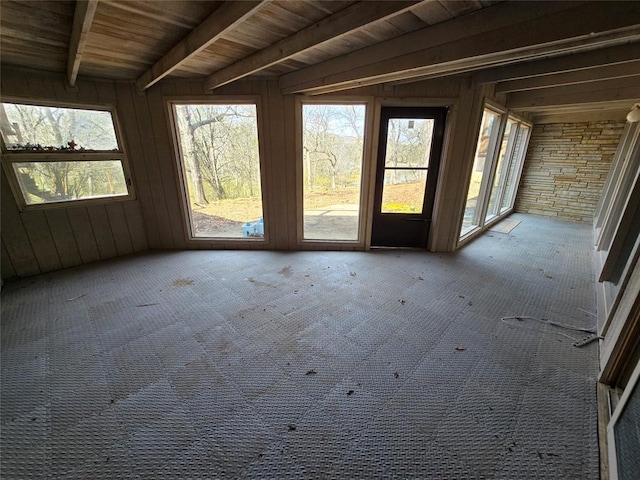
490, 167
613, 221
10, 157
634, 382
170, 103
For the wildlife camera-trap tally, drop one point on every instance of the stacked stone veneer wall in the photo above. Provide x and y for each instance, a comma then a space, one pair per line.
566, 167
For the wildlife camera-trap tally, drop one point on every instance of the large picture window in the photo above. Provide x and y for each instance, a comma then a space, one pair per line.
500, 151
489, 129
332, 155
55, 154
219, 158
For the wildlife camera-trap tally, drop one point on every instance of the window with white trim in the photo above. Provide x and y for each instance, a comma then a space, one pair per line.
55, 154
500, 151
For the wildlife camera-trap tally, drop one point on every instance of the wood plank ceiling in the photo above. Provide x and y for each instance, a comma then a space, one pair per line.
328, 46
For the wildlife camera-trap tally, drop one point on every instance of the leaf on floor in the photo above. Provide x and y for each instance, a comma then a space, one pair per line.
460, 349
76, 298
311, 372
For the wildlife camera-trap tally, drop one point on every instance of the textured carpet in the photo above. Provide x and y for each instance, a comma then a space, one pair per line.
230, 364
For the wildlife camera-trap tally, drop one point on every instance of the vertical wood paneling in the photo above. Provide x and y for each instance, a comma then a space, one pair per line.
471, 106
128, 117
180, 88
6, 266
153, 170
277, 164
107, 92
64, 92
290, 169
40, 238
167, 166
87, 92
14, 83
119, 227
135, 222
197, 88
63, 237
83, 232
14, 236
453, 170
39, 86
102, 231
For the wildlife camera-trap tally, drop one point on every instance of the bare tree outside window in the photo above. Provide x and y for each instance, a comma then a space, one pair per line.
221, 164
60, 154
332, 150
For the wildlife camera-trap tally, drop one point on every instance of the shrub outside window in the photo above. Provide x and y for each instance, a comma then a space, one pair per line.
55, 154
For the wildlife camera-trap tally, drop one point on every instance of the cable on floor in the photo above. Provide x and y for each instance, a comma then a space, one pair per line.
576, 341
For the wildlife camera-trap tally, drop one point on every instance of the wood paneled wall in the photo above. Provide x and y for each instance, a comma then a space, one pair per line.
61, 237
36, 242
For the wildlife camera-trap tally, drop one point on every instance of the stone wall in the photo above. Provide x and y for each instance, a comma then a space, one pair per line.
566, 167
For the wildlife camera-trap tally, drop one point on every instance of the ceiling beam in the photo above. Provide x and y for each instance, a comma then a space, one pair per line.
581, 116
566, 63
607, 72
351, 19
226, 17
82, 19
603, 91
506, 32
557, 63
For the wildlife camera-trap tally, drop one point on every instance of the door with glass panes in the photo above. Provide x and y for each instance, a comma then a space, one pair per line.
409, 149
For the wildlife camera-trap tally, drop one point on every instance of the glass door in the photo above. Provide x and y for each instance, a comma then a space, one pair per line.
409, 151
500, 150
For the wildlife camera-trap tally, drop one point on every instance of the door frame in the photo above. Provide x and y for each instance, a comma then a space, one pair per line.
408, 230
452, 104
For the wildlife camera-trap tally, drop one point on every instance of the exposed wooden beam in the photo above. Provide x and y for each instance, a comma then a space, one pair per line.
507, 32
620, 70
82, 18
602, 91
555, 63
226, 17
341, 23
566, 63
602, 107
580, 116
